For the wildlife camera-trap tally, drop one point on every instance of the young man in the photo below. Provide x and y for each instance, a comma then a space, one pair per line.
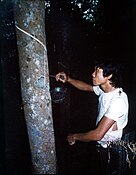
112, 108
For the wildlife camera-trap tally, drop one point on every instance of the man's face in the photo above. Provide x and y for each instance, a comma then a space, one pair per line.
98, 78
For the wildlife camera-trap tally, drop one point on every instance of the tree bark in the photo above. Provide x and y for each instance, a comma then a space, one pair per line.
33, 61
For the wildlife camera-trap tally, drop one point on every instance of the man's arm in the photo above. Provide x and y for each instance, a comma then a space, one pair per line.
76, 83
93, 135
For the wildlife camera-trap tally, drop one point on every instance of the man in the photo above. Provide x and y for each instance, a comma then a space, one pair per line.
112, 108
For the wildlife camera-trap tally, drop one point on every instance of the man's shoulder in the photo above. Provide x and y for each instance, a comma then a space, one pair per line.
97, 90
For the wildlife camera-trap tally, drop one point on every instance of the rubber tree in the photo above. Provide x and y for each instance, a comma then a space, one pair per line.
35, 87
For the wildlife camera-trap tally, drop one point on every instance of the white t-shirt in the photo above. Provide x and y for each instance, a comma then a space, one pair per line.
113, 105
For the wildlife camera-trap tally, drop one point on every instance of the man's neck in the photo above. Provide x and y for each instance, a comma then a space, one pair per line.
107, 88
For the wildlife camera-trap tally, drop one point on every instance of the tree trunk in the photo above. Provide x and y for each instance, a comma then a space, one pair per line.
30, 25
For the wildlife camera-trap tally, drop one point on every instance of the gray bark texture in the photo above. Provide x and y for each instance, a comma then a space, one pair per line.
33, 60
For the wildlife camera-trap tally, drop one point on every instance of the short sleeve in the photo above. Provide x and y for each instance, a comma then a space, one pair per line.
97, 90
116, 110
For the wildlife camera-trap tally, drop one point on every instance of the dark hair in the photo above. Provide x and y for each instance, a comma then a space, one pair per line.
114, 69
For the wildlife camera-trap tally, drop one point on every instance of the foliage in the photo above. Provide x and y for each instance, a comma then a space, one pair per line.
126, 149
88, 10
129, 148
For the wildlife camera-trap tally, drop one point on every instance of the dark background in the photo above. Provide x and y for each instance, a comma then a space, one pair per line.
78, 45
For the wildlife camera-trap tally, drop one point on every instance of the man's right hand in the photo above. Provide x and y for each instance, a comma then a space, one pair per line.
61, 76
